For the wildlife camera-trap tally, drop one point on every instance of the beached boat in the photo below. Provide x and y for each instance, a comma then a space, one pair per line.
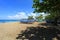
27, 21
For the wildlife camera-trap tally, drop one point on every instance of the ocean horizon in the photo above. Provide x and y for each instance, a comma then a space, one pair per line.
4, 21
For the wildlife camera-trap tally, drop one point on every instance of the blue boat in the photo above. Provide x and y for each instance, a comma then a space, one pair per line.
27, 21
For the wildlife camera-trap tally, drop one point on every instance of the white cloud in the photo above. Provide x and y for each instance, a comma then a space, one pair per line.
19, 15
22, 15
32, 14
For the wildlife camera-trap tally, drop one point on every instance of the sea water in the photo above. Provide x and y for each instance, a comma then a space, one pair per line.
3, 21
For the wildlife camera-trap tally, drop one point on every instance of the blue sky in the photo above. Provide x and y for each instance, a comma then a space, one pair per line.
9, 9
16, 9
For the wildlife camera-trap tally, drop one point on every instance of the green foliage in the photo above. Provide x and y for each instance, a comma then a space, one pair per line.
52, 16
49, 17
30, 17
46, 6
39, 17
51, 7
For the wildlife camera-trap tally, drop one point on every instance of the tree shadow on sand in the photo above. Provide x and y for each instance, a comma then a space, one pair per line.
39, 33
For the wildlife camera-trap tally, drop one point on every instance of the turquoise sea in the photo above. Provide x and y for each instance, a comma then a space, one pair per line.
3, 21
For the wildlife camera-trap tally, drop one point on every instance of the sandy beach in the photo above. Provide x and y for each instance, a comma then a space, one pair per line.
9, 31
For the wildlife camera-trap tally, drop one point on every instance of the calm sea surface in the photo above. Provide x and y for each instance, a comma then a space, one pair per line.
3, 21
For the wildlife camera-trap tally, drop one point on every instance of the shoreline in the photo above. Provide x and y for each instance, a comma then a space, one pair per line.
8, 22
